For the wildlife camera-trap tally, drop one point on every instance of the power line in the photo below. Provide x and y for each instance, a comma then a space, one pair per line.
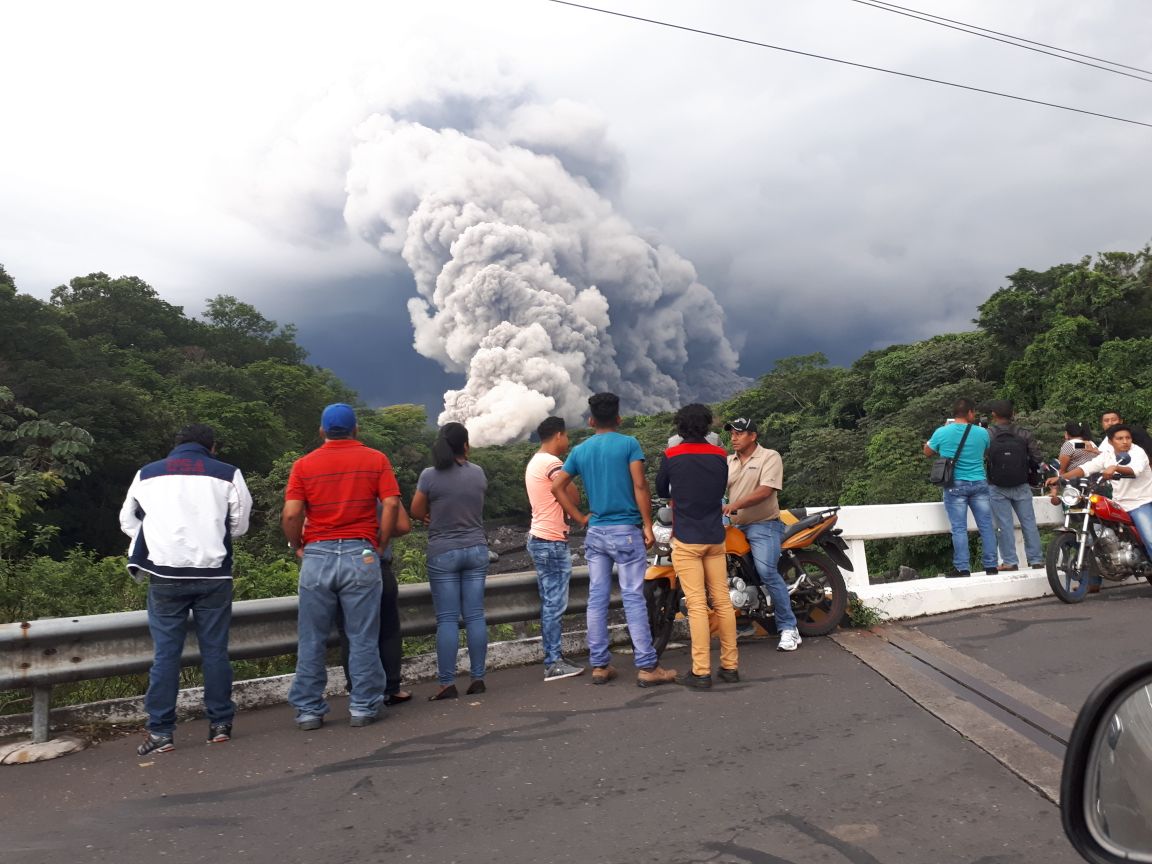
964, 28
850, 63
1021, 39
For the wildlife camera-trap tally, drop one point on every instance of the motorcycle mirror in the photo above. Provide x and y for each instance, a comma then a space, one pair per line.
1123, 458
1106, 786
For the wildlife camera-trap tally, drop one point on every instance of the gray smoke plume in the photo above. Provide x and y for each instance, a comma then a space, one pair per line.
528, 280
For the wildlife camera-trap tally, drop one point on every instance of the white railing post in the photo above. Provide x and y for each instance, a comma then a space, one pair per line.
858, 578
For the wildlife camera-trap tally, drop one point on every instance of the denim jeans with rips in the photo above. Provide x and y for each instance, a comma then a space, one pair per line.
169, 602
622, 545
553, 560
344, 574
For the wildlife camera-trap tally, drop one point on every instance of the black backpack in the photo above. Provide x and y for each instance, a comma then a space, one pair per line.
1009, 462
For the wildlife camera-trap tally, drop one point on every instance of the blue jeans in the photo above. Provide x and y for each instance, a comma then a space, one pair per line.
622, 545
553, 560
958, 498
1006, 499
457, 582
764, 538
1142, 517
338, 574
169, 602
390, 643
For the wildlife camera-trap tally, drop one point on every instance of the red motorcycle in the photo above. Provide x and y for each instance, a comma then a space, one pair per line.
1098, 541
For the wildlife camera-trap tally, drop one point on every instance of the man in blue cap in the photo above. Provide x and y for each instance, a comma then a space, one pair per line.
330, 518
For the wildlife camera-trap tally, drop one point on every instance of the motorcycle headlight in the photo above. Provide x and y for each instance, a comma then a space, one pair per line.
662, 533
1071, 496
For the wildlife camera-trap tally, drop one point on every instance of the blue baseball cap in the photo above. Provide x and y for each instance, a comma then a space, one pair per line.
338, 417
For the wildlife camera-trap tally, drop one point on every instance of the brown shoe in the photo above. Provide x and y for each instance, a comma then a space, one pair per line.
603, 674
1093, 589
655, 676
1008, 568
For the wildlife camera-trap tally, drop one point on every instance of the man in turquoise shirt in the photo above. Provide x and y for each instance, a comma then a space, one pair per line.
619, 531
969, 489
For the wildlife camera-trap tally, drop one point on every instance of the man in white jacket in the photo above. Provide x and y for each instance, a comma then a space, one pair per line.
182, 513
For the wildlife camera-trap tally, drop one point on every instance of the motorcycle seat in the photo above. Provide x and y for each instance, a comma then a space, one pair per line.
803, 525
790, 517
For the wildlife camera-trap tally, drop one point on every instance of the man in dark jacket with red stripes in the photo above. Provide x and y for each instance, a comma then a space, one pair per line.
694, 474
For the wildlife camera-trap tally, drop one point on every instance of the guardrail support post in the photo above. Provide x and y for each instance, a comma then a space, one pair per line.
41, 705
858, 578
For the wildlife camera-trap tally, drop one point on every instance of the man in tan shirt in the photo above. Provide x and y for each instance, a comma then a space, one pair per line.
755, 477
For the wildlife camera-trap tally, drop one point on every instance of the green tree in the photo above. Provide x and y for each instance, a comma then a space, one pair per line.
127, 312
818, 464
1016, 315
912, 370
37, 457
239, 334
1055, 357
403, 434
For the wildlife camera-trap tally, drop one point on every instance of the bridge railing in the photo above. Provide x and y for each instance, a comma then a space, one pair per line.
893, 521
40, 654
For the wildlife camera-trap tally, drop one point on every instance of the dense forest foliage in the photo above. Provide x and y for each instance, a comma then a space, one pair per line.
94, 381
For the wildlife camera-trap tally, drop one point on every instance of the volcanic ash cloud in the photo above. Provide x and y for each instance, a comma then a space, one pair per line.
530, 283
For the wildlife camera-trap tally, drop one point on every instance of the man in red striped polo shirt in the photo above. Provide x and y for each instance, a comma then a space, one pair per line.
694, 474
330, 519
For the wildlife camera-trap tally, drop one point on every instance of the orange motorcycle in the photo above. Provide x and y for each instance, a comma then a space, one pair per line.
812, 553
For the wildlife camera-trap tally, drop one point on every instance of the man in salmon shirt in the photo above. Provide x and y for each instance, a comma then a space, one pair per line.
548, 542
330, 519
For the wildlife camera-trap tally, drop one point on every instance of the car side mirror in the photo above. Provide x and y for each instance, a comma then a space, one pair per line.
1106, 787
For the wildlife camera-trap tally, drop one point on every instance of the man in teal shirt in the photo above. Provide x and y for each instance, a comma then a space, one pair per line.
969, 489
619, 531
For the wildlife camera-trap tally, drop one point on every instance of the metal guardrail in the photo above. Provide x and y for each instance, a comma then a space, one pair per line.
40, 654
43, 653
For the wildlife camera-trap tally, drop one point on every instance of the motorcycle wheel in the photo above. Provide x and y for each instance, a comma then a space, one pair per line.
820, 604
661, 617
1067, 583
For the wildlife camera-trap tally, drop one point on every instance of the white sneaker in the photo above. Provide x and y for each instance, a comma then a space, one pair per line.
789, 640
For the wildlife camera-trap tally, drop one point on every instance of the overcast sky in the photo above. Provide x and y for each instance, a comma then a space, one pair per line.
828, 208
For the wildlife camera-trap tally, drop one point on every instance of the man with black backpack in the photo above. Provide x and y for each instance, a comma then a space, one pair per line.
1013, 456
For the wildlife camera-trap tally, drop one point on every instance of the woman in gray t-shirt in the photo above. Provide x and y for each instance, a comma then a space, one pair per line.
451, 495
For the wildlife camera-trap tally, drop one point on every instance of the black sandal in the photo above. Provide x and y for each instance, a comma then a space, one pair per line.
397, 698
448, 692
476, 687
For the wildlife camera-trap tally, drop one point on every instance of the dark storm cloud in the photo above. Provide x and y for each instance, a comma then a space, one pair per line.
872, 210
360, 329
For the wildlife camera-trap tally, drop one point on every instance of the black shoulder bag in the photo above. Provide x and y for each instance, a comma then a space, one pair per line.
944, 467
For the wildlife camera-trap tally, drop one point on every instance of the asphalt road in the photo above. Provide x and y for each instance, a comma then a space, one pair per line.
812, 758
1062, 651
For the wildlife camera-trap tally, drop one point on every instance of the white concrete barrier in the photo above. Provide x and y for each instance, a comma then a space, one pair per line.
936, 594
